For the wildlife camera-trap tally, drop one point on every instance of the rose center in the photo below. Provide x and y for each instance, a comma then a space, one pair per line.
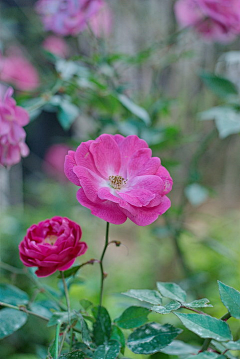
51, 239
117, 182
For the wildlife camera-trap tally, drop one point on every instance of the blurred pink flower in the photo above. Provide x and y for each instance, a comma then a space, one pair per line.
214, 19
119, 179
12, 134
67, 17
54, 161
56, 45
101, 23
18, 71
52, 245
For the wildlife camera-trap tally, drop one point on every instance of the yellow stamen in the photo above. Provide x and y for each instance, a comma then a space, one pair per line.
117, 182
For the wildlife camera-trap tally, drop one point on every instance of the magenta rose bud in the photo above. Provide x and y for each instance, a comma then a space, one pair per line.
119, 179
52, 245
214, 20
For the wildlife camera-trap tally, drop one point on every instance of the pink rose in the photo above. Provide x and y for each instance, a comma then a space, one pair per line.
56, 45
214, 19
54, 161
67, 17
101, 23
17, 70
119, 179
12, 134
52, 245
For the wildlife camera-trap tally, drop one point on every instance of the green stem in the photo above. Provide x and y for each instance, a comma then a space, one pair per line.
101, 262
66, 295
56, 341
207, 341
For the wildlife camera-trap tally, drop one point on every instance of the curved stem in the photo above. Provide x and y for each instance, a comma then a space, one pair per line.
207, 341
23, 309
101, 262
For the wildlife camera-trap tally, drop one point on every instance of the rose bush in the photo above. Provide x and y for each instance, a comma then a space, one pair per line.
56, 45
12, 134
215, 20
119, 179
52, 245
17, 70
67, 17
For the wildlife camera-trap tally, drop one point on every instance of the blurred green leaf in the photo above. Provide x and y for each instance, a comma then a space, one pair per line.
85, 304
206, 326
11, 320
227, 119
196, 194
221, 348
136, 110
219, 85
38, 308
67, 113
12, 295
132, 317
151, 338
179, 348
102, 325
172, 291
145, 295
109, 350
173, 305
230, 298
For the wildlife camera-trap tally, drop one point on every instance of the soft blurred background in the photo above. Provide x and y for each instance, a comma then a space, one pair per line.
169, 80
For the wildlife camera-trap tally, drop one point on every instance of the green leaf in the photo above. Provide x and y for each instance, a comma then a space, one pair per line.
219, 85
67, 114
172, 291
84, 329
206, 355
118, 335
151, 338
132, 317
145, 295
173, 305
12, 295
179, 348
40, 309
232, 345
200, 303
70, 272
221, 348
11, 320
85, 304
76, 354
227, 119
230, 298
102, 325
60, 317
84, 349
196, 194
108, 351
134, 109
206, 326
